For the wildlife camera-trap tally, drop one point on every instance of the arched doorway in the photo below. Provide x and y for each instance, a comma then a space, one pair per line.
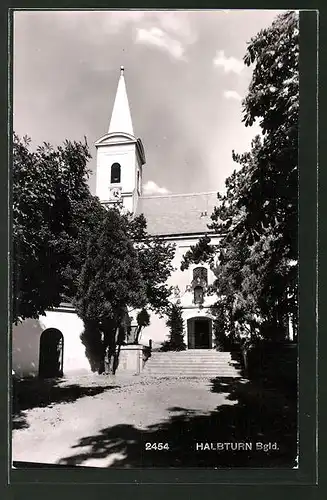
51, 353
199, 333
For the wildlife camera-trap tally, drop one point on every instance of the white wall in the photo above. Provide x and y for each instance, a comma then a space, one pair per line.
26, 336
25, 347
71, 326
26, 342
157, 331
124, 153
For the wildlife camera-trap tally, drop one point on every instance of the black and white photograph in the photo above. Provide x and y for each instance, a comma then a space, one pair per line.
155, 259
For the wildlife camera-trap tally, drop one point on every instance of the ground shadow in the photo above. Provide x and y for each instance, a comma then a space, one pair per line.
32, 393
252, 413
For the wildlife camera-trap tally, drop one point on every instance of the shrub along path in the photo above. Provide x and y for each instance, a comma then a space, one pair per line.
107, 422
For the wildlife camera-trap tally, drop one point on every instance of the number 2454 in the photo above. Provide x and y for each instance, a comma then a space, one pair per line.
156, 446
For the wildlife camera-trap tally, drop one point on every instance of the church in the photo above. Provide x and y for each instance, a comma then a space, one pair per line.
180, 219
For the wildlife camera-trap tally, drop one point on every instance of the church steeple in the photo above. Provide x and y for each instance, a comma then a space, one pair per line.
120, 157
121, 120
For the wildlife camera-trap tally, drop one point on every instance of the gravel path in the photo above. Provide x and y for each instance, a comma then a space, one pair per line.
51, 433
102, 421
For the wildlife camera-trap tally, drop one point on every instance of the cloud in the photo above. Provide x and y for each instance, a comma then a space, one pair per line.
232, 94
169, 31
118, 20
155, 36
152, 188
230, 64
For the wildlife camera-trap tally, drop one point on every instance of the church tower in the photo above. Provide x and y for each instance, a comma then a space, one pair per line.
120, 157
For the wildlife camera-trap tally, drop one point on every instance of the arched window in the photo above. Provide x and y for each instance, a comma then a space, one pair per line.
200, 276
198, 295
115, 173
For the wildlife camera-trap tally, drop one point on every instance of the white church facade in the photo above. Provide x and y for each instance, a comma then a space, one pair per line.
177, 218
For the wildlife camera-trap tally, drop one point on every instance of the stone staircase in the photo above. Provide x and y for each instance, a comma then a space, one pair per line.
193, 363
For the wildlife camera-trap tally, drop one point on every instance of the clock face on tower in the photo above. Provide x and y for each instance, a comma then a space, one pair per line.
115, 193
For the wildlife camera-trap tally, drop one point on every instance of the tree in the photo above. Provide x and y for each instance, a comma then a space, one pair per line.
110, 281
143, 320
273, 98
176, 329
124, 269
155, 258
256, 219
53, 213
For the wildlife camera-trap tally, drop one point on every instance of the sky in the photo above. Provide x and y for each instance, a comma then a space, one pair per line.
185, 81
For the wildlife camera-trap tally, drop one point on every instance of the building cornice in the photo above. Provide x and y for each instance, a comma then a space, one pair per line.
183, 236
121, 139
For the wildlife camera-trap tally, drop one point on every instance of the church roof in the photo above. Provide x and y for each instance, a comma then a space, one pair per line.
177, 214
121, 120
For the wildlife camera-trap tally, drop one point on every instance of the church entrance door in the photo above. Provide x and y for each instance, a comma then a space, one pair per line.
199, 333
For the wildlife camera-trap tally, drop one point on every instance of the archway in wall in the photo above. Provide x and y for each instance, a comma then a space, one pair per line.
51, 353
199, 333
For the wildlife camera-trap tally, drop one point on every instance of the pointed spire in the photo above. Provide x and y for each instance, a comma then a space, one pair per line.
121, 120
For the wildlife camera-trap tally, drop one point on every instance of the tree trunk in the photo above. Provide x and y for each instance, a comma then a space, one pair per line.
121, 335
110, 358
102, 358
91, 339
116, 359
109, 346
137, 336
101, 368
114, 337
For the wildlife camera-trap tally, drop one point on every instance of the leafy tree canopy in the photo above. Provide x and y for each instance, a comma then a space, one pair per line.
111, 277
125, 269
53, 215
256, 218
155, 259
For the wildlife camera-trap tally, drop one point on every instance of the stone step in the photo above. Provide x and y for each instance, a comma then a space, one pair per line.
203, 377
192, 353
192, 363
186, 358
191, 371
197, 363
195, 375
197, 369
192, 368
191, 360
195, 360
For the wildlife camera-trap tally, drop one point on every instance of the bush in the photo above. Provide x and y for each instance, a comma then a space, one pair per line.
272, 362
176, 330
92, 340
